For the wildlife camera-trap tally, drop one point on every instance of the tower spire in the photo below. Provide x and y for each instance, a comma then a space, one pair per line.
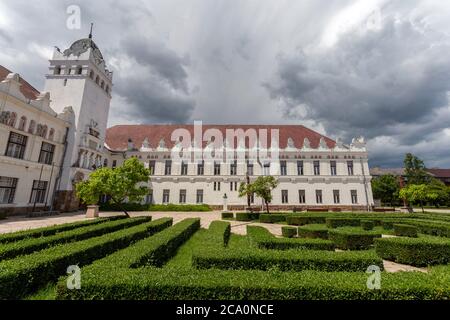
90, 33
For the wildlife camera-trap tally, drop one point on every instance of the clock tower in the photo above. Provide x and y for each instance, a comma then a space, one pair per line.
78, 78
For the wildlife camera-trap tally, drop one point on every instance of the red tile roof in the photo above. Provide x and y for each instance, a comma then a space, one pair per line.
117, 136
440, 173
27, 89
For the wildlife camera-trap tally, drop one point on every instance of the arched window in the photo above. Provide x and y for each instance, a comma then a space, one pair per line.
32, 127
79, 70
44, 132
12, 119
91, 75
107, 89
39, 130
105, 162
51, 135
4, 117
57, 70
97, 80
22, 123
103, 84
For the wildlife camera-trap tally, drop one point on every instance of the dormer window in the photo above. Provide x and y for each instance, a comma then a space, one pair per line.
57, 70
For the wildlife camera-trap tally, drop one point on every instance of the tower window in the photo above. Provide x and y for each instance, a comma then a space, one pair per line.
57, 70
107, 89
102, 84
97, 80
65, 82
79, 70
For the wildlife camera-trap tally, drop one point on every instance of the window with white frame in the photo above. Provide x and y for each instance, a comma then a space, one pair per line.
7, 189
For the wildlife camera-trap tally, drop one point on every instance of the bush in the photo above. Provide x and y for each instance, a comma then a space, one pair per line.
367, 225
419, 252
247, 216
313, 231
26, 246
265, 240
405, 230
24, 274
227, 215
342, 222
272, 218
220, 230
289, 232
306, 219
2, 215
349, 238
291, 260
47, 231
433, 228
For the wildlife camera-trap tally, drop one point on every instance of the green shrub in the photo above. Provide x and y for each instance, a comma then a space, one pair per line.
24, 274
227, 215
289, 232
272, 218
342, 222
26, 246
263, 239
367, 225
419, 252
221, 230
433, 228
47, 231
2, 215
313, 231
349, 238
247, 216
296, 220
405, 230
291, 260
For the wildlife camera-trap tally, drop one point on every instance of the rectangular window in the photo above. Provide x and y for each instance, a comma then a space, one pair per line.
300, 171
283, 168
266, 168
114, 164
184, 168
7, 189
319, 196
38, 191
216, 168
166, 196
301, 196
250, 168
350, 167
152, 166
333, 168
284, 196
354, 195
233, 186
47, 152
168, 168
201, 168
149, 197
233, 168
199, 196
317, 168
336, 197
216, 185
183, 196
16, 145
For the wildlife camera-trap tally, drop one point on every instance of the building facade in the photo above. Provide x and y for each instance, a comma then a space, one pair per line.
53, 139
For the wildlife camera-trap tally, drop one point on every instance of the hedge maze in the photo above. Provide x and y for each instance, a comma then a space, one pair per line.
318, 256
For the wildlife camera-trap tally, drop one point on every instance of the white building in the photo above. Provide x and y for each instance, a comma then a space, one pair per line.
51, 140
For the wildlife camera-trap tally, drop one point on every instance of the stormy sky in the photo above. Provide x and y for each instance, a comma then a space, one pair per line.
346, 68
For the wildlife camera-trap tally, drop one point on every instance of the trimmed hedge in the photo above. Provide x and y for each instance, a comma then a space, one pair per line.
405, 230
47, 231
342, 222
367, 225
227, 215
247, 216
291, 260
24, 274
26, 246
306, 219
272, 218
433, 228
349, 238
313, 231
419, 252
220, 230
289, 232
263, 239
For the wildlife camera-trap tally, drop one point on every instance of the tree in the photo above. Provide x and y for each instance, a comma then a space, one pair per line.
441, 190
262, 187
418, 193
414, 169
386, 188
118, 184
246, 190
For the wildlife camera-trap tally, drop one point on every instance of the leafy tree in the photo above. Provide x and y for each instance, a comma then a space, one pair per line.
441, 190
262, 187
118, 184
415, 169
246, 190
418, 193
386, 188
